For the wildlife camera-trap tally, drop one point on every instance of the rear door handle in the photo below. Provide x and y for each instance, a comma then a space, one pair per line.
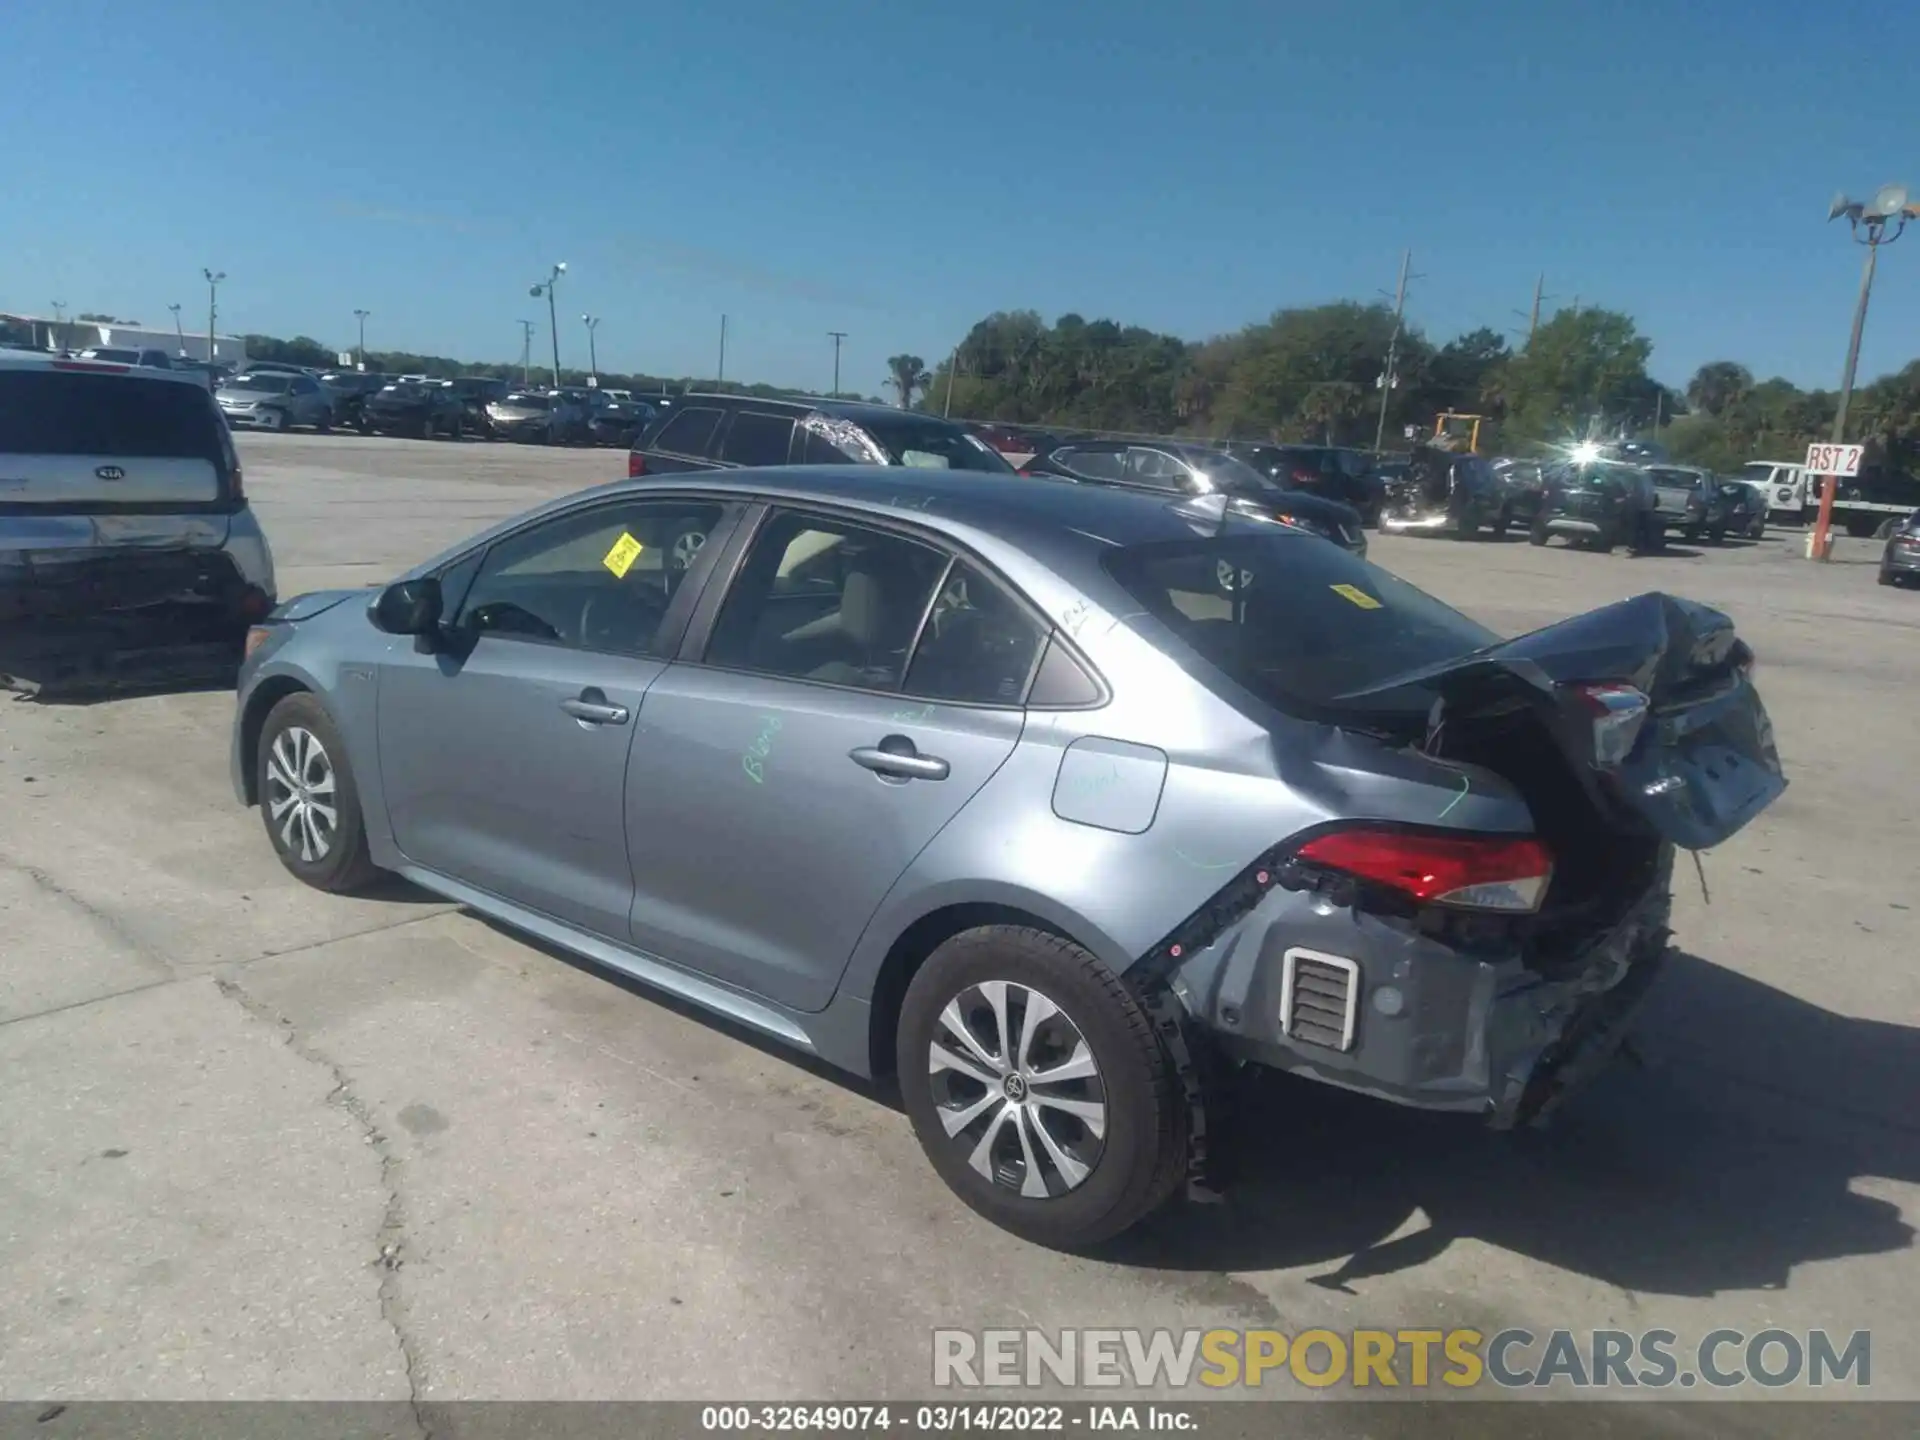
591, 708
901, 767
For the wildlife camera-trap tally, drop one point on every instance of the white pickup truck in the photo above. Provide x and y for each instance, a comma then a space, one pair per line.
1862, 505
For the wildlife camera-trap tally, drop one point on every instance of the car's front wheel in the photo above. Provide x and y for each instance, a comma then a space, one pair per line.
1038, 1087
307, 797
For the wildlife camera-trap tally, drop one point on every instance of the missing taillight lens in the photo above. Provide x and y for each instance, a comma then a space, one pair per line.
1471, 872
1618, 713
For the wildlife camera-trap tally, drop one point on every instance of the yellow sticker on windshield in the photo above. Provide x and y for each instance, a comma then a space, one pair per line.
625, 551
1356, 595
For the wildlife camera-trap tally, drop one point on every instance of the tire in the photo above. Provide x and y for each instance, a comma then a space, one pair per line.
1126, 1171
274, 420
1886, 577
1537, 533
1691, 534
1501, 523
324, 423
1716, 535
338, 861
1465, 527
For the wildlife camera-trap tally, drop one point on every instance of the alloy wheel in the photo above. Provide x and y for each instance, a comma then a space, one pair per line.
1017, 1089
300, 795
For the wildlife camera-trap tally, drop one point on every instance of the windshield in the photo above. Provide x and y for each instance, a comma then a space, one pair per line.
526, 402
935, 446
1296, 622
266, 384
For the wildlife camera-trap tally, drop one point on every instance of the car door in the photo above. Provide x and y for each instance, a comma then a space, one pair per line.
503, 750
756, 437
802, 754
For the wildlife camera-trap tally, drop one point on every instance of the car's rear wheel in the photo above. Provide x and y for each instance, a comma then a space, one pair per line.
307, 797
1038, 1087
273, 419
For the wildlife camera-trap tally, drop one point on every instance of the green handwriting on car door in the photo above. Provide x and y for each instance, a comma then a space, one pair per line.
761, 748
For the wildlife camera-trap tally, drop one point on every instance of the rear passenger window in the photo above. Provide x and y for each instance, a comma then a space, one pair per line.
689, 432
816, 449
978, 647
757, 439
53, 412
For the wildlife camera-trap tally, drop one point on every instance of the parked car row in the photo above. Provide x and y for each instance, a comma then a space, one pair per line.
719, 432
272, 396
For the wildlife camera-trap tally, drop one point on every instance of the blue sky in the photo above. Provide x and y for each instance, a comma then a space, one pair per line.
898, 170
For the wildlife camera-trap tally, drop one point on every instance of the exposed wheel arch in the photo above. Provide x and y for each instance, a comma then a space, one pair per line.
253, 720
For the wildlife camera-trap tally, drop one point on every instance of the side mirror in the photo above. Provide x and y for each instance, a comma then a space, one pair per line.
409, 607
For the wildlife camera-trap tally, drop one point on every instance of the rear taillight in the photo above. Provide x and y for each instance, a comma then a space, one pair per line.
1618, 712
1304, 477
1026, 473
636, 464
1469, 872
239, 486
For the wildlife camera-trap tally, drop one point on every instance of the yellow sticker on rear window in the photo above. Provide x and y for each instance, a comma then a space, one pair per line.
1356, 595
625, 551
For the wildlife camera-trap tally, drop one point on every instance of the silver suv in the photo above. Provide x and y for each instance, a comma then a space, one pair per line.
275, 400
128, 555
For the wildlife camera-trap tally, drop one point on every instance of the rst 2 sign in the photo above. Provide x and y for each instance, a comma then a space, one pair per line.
1842, 460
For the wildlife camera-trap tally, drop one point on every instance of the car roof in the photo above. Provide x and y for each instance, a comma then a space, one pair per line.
48, 360
1012, 507
858, 411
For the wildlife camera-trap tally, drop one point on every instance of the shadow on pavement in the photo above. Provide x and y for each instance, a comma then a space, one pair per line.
1721, 1165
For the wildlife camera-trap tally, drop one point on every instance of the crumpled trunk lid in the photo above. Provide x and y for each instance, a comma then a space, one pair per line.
1699, 764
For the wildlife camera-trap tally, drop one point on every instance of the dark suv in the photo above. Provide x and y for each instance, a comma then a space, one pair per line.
725, 432
1329, 471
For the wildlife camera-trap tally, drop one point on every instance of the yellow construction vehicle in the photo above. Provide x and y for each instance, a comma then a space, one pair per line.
1450, 428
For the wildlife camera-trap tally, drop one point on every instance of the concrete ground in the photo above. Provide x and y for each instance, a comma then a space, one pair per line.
262, 1143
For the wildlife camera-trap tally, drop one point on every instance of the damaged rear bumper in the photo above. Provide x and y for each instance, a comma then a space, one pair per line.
1418, 1022
85, 620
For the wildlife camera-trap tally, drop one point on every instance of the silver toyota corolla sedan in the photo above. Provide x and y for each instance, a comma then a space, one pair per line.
1056, 802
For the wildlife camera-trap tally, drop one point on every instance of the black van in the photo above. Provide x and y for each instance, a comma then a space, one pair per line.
727, 432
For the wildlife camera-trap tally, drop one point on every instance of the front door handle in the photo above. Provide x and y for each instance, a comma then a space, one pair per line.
591, 708
900, 766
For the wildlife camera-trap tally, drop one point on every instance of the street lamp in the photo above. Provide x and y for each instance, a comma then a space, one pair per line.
213, 309
65, 341
592, 322
361, 316
1874, 223
180, 333
545, 287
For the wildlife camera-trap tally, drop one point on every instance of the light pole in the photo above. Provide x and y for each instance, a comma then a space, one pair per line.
592, 322
63, 343
545, 287
1878, 222
180, 333
836, 336
527, 327
214, 277
361, 316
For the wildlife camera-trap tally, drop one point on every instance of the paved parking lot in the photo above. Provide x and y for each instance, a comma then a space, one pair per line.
263, 1143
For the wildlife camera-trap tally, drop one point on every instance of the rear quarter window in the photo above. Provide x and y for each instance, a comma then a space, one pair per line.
64, 412
687, 432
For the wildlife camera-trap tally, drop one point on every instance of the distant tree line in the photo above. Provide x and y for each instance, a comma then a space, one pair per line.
1320, 373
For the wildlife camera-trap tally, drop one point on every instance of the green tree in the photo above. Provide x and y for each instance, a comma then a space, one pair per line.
908, 376
1330, 407
1719, 386
1584, 372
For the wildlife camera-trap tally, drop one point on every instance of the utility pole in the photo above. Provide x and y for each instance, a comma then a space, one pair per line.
1388, 379
177, 330
527, 327
545, 287
721, 378
213, 309
65, 341
592, 322
837, 336
361, 316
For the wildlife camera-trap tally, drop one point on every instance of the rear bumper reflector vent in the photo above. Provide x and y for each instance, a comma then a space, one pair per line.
1319, 999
